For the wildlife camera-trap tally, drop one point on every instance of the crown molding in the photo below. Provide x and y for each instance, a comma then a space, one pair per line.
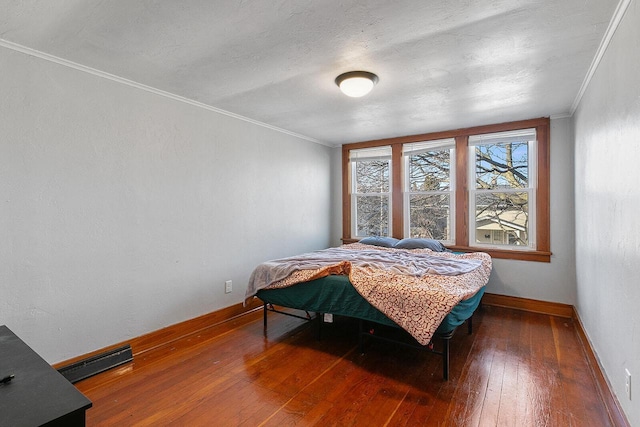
560, 116
102, 74
604, 44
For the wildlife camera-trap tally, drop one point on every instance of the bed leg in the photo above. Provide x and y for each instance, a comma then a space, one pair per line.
319, 317
264, 318
445, 359
361, 336
470, 325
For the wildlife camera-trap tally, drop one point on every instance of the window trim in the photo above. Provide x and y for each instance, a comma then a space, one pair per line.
530, 190
354, 194
542, 252
451, 192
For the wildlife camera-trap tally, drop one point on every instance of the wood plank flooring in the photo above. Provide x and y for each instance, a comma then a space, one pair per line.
516, 369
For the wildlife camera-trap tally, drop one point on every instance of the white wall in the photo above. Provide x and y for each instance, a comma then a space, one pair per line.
123, 211
607, 179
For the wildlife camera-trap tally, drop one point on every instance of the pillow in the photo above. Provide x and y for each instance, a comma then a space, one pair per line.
419, 243
386, 242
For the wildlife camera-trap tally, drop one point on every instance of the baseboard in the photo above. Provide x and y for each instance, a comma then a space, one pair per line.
155, 339
525, 304
616, 414
614, 410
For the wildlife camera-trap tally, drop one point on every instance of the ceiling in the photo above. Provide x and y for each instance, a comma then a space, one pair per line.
442, 64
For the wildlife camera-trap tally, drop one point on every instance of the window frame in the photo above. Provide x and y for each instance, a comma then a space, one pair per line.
449, 144
532, 173
355, 194
541, 253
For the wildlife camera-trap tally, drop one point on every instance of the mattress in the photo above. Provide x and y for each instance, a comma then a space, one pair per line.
334, 294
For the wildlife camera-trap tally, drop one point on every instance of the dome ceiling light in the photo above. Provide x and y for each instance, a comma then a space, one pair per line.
356, 83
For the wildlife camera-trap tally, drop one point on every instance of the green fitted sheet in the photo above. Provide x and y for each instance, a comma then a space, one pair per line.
336, 295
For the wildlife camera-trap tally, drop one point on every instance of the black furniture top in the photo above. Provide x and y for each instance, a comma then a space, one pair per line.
37, 394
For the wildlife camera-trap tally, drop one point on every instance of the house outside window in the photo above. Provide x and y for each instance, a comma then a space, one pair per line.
502, 199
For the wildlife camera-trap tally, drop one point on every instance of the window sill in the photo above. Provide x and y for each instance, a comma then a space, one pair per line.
537, 256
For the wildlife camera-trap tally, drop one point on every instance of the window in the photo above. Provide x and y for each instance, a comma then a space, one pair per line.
371, 191
429, 189
483, 188
502, 198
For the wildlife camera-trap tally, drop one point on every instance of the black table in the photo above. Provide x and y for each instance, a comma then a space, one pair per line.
38, 394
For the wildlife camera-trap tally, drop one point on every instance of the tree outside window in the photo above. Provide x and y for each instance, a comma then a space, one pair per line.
503, 194
429, 189
371, 182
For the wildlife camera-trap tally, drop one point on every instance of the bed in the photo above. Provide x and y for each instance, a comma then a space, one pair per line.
427, 293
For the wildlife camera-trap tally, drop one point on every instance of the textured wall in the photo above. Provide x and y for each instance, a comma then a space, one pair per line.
123, 211
607, 131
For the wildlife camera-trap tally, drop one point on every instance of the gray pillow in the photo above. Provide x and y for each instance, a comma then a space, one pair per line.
419, 243
387, 242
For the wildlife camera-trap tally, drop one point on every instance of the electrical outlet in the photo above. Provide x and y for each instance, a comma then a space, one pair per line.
328, 318
627, 383
228, 286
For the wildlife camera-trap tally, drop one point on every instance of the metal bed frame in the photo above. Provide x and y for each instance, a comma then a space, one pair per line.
364, 333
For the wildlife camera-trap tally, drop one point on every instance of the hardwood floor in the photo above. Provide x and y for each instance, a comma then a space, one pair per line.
516, 369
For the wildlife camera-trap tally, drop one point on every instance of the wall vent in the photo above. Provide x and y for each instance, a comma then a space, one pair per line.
94, 365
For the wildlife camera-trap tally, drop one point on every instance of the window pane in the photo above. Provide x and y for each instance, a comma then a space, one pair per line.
430, 171
502, 165
372, 176
502, 218
429, 216
372, 215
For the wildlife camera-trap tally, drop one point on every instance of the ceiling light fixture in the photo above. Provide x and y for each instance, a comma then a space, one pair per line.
356, 83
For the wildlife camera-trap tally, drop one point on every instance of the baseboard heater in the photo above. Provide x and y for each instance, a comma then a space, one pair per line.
96, 364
